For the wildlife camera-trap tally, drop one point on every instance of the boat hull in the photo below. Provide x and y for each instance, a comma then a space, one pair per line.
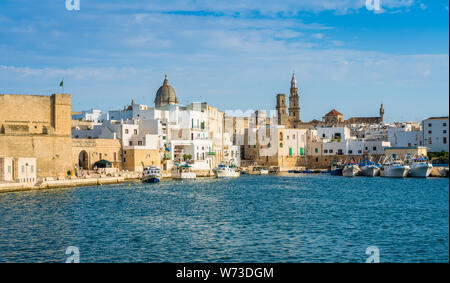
336, 172
350, 171
370, 171
226, 174
395, 172
420, 171
151, 179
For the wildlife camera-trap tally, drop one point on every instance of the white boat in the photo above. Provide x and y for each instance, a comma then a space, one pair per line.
223, 171
151, 175
183, 172
394, 169
351, 169
419, 167
259, 170
369, 168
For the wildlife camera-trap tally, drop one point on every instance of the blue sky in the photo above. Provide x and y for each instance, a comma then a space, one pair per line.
233, 54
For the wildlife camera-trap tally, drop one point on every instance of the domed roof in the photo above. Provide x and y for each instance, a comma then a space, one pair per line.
165, 95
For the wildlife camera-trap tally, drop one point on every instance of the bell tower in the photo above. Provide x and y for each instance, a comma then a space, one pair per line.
281, 109
294, 106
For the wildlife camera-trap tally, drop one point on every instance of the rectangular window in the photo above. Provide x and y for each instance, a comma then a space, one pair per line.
100, 155
331, 151
290, 151
31, 169
325, 151
139, 142
430, 140
374, 148
429, 125
444, 131
301, 151
316, 150
130, 143
359, 151
350, 151
445, 140
9, 169
124, 159
135, 131
444, 124
429, 131
23, 169
126, 131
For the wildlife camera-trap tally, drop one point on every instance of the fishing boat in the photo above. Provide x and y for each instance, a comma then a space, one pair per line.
151, 174
394, 168
351, 169
259, 170
369, 168
223, 171
183, 171
419, 166
336, 168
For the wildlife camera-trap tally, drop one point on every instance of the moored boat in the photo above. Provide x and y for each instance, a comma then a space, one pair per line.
151, 175
336, 168
419, 167
369, 168
394, 169
223, 171
351, 169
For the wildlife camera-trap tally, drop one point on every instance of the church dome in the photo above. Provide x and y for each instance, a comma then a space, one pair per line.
165, 95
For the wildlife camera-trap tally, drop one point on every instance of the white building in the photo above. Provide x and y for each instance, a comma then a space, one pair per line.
333, 133
435, 134
92, 115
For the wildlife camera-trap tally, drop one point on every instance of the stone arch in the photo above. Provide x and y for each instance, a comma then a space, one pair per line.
83, 160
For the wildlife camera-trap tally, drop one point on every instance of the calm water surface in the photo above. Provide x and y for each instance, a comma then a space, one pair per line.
316, 218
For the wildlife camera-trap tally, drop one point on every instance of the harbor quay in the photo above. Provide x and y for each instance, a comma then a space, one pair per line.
44, 143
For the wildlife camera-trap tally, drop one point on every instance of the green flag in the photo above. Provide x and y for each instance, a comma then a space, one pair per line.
61, 84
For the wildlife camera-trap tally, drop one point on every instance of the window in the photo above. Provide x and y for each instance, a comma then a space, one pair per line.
100, 156
444, 124
115, 156
430, 140
409, 144
374, 148
445, 140
301, 151
331, 151
325, 151
126, 131
339, 151
316, 150
287, 137
350, 151
135, 131
323, 135
124, 159
444, 131
9, 169
366, 148
281, 144
429, 125
359, 151
139, 142
31, 168
429, 131
130, 143
23, 169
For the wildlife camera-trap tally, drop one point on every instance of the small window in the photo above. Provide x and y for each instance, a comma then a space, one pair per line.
359, 151
331, 151
350, 151
126, 131
430, 141
316, 150
429, 132
429, 125
32, 169
139, 142
325, 151
444, 131
23, 169
444, 124
374, 148
9, 169
135, 131
124, 159
445, 140
130, 143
